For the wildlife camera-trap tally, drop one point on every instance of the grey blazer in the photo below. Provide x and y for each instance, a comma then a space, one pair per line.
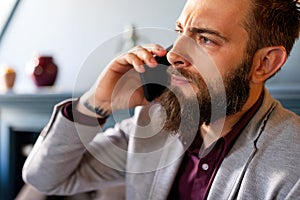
70, 158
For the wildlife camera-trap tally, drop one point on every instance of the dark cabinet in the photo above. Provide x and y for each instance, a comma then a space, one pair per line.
22, 117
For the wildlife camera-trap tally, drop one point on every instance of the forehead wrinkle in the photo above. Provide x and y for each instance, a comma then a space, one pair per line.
198, 14
189, 13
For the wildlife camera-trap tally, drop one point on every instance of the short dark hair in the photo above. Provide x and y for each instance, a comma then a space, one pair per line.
273, 23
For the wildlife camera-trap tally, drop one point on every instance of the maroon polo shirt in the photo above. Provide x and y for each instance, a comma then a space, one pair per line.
196, 173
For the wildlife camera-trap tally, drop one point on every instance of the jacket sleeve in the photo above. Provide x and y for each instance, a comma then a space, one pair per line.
70, 158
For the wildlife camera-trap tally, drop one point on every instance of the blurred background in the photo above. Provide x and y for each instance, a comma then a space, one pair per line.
70, 30
74, 33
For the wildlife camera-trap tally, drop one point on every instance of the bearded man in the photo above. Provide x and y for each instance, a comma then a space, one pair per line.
214, 133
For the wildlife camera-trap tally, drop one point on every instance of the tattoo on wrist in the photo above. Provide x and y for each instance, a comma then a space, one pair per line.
98, 110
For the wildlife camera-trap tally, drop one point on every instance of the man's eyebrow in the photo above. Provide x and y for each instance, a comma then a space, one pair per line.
207, 31
203, 30
178, 25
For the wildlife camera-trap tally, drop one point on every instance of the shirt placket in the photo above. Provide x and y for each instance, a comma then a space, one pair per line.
206, 166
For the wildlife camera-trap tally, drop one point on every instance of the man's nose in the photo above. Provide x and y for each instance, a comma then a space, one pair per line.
176, 56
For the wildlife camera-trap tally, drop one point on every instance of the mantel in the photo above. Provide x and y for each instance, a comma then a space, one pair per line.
33, 101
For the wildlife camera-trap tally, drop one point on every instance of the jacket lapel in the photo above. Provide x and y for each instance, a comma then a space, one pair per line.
167, 169
153, 156
232, 169
151, 175
230, 175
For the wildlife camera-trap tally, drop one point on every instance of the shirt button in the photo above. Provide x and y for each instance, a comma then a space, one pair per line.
205, 166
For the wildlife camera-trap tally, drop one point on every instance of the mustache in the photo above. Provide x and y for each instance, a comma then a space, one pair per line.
182, 73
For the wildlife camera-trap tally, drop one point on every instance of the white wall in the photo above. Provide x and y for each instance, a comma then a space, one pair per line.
289, 75
71, 30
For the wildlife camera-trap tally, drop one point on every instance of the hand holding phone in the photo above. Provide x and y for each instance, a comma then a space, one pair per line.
155, 79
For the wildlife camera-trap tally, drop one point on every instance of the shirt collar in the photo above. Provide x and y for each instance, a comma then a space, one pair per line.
232, 135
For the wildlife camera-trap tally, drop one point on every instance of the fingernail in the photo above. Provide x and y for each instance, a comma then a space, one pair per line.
152, 60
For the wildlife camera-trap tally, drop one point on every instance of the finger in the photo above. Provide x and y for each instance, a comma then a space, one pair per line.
133, 60
146, 56
156, 49
140, 55
147, 52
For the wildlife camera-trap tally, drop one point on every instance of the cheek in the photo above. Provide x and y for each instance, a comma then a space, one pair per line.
226, 62
229, 56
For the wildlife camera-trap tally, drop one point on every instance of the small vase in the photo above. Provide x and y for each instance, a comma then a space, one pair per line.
8, 76
43, 71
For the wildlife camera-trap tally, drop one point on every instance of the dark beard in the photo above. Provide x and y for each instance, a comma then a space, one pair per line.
185, 116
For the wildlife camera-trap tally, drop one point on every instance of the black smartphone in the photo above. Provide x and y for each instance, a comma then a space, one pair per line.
155, 79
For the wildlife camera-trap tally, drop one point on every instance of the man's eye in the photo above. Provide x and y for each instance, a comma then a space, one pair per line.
205, 40
178, 31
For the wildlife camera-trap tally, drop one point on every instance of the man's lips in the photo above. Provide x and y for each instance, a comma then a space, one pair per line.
179, 80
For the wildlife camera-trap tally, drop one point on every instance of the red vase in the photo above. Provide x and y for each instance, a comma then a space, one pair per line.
43, 71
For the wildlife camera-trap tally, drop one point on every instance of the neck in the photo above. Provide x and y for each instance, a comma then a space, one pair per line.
219, 128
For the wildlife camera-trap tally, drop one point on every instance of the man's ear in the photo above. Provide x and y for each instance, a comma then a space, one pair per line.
266, 62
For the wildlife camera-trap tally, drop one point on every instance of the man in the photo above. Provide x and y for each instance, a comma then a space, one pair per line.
215, 133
